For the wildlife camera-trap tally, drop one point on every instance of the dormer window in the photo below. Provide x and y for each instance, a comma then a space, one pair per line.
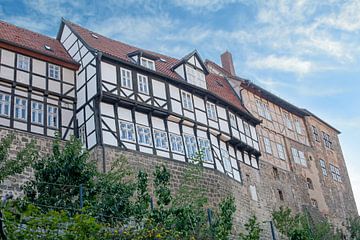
195, 76
150, 64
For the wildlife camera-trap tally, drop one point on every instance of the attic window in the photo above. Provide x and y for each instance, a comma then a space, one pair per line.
150, 64
94, 36
162, 60
47, 47
195, 76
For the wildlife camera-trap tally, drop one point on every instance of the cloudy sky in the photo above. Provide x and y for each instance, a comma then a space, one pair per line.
304, 51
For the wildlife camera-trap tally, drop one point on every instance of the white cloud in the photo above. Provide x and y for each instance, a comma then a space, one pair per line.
201, 5
287, 64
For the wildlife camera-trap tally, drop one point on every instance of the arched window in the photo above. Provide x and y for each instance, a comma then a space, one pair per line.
309, 183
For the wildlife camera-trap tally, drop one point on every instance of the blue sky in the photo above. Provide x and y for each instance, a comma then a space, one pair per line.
304, 51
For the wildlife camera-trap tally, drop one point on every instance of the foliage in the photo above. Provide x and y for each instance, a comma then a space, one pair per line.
253, 229
223, 225
10, 166
353, 226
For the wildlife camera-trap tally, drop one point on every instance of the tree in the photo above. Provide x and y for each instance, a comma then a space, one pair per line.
24, 158
253, 229
353, 226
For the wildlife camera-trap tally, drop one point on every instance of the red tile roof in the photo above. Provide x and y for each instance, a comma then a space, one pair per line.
216, 84
33, 41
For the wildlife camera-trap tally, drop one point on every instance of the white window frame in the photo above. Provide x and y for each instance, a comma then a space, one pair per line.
23, 62
143, 84
335, 173
323, 167
148, 63
5, 104
299, 157
315, 133
187, 100
37, 112
226, 160
190, 145
126, 78
128, 129
267, 145
232, 118
263, 110
161, 139
288, 121
195, 76
82, 135
176, 143
54, 71
211, 111
52, 116
205, 147
298, 126
281, 151
327, 140
20, 108
247, 129
302, 158
144, 135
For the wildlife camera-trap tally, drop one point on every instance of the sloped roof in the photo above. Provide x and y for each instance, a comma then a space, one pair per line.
217, 85
33, 41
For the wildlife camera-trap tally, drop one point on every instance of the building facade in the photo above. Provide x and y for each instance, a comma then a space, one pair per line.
155, 109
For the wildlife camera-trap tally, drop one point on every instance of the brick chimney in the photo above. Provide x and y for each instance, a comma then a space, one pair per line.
227, 62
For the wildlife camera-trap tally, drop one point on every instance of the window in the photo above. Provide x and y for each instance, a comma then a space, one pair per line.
161, 140
232, 120
323, 167
37, 113
280, 150
4, 104
150, 64
281, 195
247, 129
144, 135
204, 145
143, 85
288, 122
82, 134
54, 71
52, 116
190, 145
327, 140
176, 143
195, 77
335, 173
186, 100
226, 160
298, 157
315, 133
275, 173
127, 131
263, 110
126, 80
298, 127
23, 62
314, 203
309, 183
20, 108
267, 145
211, 111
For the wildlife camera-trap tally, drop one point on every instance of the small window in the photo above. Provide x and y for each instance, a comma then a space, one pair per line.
127, 131
263, 110
176, 143
23, 62
161, 140
54, 71
335, 172
150, 64
323, 167
314, 203
267, 145
195, 77
298, 127
287, 121
126, 80
82, 135
204, 145
247, 129
281, 195
187, 100
144, 135
302, 158
226, 160
211, 111
315, 133
190, 145
276, 173
232, 120
37, 113
143, 84
52, 116
281, 151
4, 104
327, 141
309, 184
298, 157
20, 108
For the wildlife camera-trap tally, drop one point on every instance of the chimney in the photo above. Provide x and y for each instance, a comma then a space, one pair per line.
227, 62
